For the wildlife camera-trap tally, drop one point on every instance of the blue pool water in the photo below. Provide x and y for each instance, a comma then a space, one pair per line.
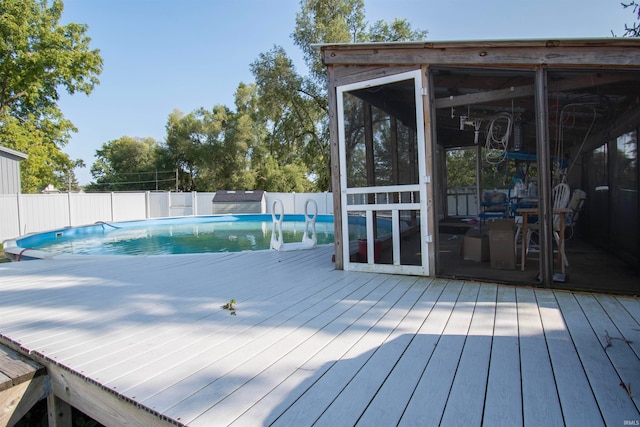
217, 233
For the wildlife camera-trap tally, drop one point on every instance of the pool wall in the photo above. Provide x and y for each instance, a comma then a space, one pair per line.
22, 249
23, 214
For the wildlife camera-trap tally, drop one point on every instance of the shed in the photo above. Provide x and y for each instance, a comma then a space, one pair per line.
567, 110
10, 170
244, 201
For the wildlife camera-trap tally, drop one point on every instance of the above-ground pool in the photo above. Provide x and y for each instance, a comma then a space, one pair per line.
186, 235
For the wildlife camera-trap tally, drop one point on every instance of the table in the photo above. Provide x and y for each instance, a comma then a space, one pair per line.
561, 212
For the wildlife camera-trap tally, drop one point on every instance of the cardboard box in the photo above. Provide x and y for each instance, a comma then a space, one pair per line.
501, 244
475, 246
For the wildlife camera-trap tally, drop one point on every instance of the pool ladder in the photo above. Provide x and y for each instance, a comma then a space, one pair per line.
277, 216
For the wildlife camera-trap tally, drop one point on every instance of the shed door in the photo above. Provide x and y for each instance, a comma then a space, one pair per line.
383, 179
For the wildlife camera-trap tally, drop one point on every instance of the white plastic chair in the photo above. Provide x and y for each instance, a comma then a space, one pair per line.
560, 197
576, 203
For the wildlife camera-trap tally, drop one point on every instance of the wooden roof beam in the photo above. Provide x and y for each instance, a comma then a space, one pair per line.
522, 91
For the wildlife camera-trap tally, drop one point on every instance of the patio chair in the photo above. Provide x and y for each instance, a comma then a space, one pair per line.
560, 197
494, 205
575, 204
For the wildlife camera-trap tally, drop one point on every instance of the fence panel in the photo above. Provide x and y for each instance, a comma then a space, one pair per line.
129, 206
89, 208
462, 201
43, 212
180, 204
158, 204
294, 202
204, 203
9, 225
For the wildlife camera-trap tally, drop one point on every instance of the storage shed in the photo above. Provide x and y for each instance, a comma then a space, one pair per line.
552, 111
235, 202
10, 170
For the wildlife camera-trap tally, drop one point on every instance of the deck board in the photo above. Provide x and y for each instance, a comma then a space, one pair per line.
350, 403
628, 327
541, 405
193, 352
339, 337
360, 344
430, 395
503, 398
614, 344
613, 401
270, 352
312, 345
388, 404
463, 406
278, 376
576, 398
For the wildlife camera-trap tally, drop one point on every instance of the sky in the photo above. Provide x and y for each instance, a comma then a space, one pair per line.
163, 55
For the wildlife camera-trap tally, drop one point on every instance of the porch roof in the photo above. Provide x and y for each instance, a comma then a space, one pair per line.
618, 52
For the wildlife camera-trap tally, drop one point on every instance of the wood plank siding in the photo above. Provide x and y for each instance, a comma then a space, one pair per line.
611, 51
145, 341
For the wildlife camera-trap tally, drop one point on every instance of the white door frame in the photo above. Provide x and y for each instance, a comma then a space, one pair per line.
369, 209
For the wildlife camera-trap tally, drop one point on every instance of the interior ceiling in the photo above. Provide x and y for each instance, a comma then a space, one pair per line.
580, 104
482, 94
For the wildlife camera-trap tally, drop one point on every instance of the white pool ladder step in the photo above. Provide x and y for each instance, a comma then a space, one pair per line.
277, 216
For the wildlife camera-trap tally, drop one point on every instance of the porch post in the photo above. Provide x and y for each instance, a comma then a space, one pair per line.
429, 205
336, 191
544, 176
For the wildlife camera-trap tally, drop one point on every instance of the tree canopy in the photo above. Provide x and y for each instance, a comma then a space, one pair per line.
38, 57
129, 164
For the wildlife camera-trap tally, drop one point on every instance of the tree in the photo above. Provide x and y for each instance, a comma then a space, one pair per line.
294, 112
182, 147
398, 30
327, 21
632, 30
129, 164
67, 178
461, 168
210, 148
37, 58
296, 106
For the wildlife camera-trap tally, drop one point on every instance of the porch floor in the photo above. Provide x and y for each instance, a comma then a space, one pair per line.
590, 268
311, 344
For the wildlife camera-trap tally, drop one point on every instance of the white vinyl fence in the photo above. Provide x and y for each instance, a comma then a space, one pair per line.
22, 214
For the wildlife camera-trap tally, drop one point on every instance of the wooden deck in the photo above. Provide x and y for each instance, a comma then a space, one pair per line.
144, 340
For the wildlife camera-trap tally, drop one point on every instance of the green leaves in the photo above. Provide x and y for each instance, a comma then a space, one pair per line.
129, 164
398, 30
231, 306
327, 21
211, 147
38, 57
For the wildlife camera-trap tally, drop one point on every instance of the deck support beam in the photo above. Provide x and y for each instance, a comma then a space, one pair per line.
58, 412
23, 383
102, 405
